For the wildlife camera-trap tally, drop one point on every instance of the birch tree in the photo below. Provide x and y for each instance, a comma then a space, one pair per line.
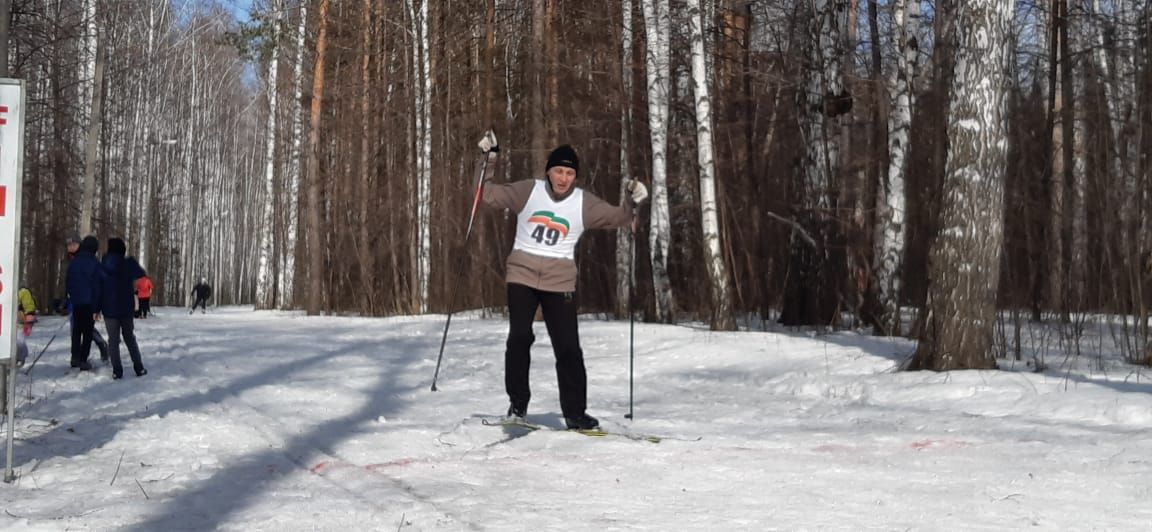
91, 143
287, 279
722, 318
422, 96
657, 29
964, 259
891, 200
1059, 118
265, 280
625, 237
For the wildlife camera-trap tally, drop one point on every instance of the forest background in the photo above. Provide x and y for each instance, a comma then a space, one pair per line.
827, 163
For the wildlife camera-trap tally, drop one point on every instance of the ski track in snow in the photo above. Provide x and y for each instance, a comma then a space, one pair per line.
274, 421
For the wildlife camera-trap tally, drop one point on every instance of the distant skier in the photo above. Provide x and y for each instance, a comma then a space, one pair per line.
551, 215
21, 344
201, 292
144, 296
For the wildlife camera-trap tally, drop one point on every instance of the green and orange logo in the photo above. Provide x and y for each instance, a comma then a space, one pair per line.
550, 220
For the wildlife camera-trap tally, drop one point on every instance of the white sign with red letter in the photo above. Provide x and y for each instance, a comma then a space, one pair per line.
11, 162
11, 176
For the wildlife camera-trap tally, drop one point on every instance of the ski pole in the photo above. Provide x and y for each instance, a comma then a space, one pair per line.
45, 348
631, 313
488, 144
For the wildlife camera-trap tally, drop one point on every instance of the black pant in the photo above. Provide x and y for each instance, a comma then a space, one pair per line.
560, 318
201, 302
145, 306
125, 327
83, 325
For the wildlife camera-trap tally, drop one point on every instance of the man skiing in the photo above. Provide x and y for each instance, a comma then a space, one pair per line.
551, 215
201, 292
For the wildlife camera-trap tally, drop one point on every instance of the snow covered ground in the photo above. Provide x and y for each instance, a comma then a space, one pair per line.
275, 421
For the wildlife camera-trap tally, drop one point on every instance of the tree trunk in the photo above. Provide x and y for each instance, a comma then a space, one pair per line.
316, 248
891, 204
365, 250
657, 27
625, 237
92, 141
537, 73
265, 280
811, 295
287, 278
722, 319
964, 260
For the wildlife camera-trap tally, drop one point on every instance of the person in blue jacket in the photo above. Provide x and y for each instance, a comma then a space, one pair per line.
85, 282
119, 305
73, 246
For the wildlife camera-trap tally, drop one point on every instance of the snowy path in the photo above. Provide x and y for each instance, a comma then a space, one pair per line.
271, 421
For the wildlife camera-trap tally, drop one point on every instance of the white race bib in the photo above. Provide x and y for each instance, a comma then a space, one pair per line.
549, 228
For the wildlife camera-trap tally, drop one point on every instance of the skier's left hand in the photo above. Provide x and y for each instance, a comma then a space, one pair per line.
638, 190
488, 143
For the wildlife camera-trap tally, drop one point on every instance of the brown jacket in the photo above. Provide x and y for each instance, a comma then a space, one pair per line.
547, 273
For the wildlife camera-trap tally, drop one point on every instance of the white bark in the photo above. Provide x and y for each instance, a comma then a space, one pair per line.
657, 28
1077, 248
625, 244
91, 143
185, 224
964, 261
823, 154
1056, 204
88, 62
722, 318
287, 280
264, 282
421, 59
891, 201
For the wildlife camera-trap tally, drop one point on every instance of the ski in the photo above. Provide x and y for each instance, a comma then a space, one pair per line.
595, 433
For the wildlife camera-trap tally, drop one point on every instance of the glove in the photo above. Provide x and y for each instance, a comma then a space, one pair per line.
488, 143
638, 190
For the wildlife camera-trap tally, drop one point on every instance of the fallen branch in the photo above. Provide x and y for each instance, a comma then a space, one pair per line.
795, 227
117, 468
146, 497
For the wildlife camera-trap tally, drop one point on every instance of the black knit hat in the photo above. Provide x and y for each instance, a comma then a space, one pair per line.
116, 246
563, 155
89, 244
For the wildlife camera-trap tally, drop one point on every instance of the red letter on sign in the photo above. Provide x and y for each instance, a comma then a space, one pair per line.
3, 199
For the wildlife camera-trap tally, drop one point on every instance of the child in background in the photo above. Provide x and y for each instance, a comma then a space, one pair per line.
21, 344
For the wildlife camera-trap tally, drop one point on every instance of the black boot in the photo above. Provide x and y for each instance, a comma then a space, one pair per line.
581, 422
516, 415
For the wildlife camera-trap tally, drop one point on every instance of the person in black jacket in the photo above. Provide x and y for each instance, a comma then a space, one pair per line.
85, 283
119, 303
202, 291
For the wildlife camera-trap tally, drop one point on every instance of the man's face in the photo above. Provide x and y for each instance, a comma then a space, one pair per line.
561, 178
73, 247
